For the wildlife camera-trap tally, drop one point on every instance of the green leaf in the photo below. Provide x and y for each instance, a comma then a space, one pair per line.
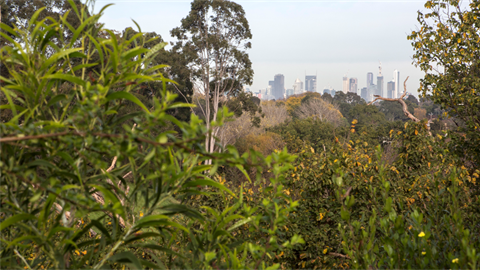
208, 182
15, 219
159, 248
80, 29
41, 162
134, 52
155, 49
47, 37
126, 257
52, 59
240, 223
157, 221
9, 107
56, 99
141, 235
34, 17
66, 77
127, 96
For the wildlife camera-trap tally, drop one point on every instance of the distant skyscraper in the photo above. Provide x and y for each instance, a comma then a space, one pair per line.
390, 89
289, 92
371, 90
311, 83
332, 91
396, 79
364, 93
369, 79
379, 82
353, 85
326, 91
345, 84
298, 87
278, 86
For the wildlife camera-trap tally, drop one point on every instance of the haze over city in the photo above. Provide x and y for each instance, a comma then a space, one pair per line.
296, 38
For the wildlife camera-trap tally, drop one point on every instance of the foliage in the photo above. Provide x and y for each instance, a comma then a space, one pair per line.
345, 205
265, 143
346, 102
366, 115
420, 113
319, 109
215, 35
393, 111
446, 49
82, 189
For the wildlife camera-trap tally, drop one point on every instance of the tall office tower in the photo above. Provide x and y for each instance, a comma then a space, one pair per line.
332, 91
289, 92
298, 87
371, 90
311, 83
326, 91
369, 79
379, 82
353, 85
364, 93
279, 86
269, 91
345, 84
390, 89
396, 79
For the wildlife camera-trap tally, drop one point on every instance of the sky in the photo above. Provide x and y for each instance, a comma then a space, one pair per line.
328, 38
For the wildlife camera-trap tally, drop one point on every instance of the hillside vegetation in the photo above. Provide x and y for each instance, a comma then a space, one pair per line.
105, 165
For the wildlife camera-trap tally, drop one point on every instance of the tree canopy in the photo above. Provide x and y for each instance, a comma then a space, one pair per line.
446, 49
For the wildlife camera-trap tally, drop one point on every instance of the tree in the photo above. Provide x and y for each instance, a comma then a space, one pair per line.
447, 49
219, 34
327, 97
175, 70
412, 99
347, 101
23, 10
317, 108
81, 189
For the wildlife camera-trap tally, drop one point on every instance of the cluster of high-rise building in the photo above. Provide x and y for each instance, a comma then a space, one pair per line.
392, 90
276, 88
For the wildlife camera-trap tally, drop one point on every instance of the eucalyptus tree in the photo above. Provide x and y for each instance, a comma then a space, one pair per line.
218, 34
18, 13
447, 50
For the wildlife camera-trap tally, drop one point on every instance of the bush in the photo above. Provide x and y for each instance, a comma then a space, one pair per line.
355, 209
84, 186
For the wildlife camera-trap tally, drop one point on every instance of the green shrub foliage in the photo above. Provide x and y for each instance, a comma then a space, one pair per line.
359, 209
85, 186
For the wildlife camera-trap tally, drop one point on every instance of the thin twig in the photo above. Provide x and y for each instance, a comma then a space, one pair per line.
338, 255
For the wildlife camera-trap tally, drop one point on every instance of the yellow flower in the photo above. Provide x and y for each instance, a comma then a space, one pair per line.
455, 260
141, 214
423, 252
325, 251
421, 234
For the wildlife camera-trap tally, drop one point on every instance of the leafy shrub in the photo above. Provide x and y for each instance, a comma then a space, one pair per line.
81, 187
348, 212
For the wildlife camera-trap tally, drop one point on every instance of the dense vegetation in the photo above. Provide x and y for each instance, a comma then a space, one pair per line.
103, 166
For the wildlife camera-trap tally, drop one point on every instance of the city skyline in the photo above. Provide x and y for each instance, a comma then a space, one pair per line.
378, 34
385, 88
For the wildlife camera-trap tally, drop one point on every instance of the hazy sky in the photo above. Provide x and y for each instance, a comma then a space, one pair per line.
329, 38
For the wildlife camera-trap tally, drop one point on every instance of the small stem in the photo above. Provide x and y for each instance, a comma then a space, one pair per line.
22, 258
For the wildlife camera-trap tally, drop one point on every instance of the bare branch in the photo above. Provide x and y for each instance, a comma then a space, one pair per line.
338, 255
399, 100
